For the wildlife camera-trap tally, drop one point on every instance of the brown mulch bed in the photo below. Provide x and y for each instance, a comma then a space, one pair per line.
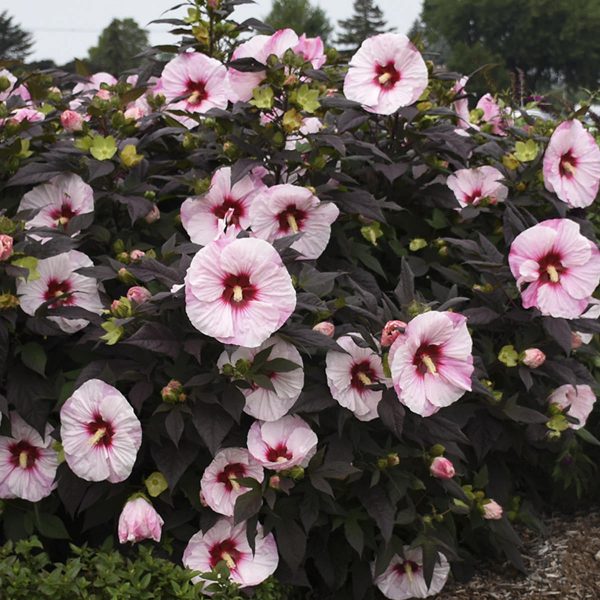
564, 564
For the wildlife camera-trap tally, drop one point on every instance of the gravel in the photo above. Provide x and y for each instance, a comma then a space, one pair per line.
564, 564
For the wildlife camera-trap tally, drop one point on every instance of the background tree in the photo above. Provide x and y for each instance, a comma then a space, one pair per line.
118, 44
551, 42
301, 16
366, 21
15, 43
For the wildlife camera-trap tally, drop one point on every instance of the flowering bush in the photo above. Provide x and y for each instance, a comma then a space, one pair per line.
344, 340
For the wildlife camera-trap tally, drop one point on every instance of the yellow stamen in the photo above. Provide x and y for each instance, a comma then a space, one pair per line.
234, 484
193, 99
238, 295
292, 223
228, 560
384, 78
62, 220
23, 456
553, 273
568, 167
281, 459
408, 571
364, 378
100, 433
429, 364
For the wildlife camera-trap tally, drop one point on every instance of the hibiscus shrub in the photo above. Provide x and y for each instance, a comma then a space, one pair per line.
288, 316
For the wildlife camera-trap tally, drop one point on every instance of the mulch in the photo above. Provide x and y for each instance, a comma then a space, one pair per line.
564, 564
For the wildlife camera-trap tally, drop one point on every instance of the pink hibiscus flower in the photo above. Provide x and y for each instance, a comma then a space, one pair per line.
557, 269
94, 82
386, 73
286, 209
203, 216
350, 377
262, 403
28, 463
59, 200
474, 186
219, 486
11, 88
60, 285
431, 363
461, 106
404, 578
238, 291
312, 49
572, 165
578, 400
227, 542
30, 115
100, 433
282, 444
139, 521
202, 81
492, 114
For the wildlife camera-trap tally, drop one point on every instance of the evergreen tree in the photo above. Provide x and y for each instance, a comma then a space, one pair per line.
15, 43
301, 16
117, 46
367, 20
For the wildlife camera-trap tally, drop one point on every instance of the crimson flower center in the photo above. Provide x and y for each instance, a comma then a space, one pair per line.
58, 293
197, 91
426, 358
237, 290
473, 196
101, 431
229, 204
551, 268
229, 475
362, 374
65, 213
225, 550
23, 455
408, 567
387, 75
567, 165
279, 454
291, 219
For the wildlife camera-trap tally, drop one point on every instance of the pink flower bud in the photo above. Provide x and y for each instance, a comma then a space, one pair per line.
138, 294
71, 120
6, 246
274, 482
533, 358
391, 331
103, 94
576, 340
115, 306
139, 521
173, 392
137, 255
153, 215
325, 327
134, 112
492, 510
442, 468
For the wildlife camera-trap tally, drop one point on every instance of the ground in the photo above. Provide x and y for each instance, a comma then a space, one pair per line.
564, 564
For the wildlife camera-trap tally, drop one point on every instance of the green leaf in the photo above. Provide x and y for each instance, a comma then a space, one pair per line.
51, 526
247, 505
262, 97
307, 99
34, 357
279, 365
29, 263
526, 151
103, 148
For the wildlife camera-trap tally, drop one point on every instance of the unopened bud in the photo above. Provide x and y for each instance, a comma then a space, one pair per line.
173, 392
325, 327
533, 358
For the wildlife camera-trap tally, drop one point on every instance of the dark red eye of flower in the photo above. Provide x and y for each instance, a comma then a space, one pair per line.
225, 550
23, 454
64, 214
387, 75
426, 358
279, 454
362, 375
474, 195
229, 204
197, 91
551, 268
230, 473
291, 219
567, 165
58, 292
408, 566
101, 431
238, 290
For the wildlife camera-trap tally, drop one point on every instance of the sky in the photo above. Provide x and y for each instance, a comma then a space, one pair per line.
65, 29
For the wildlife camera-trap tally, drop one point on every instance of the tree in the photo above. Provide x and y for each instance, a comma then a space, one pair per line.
550, 42
15, 43
118, 45
301, 16
366, 21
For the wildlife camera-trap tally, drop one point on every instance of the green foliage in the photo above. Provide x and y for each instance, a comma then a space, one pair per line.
301, 16
118, 45
15, 43
549, 41
366, 21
